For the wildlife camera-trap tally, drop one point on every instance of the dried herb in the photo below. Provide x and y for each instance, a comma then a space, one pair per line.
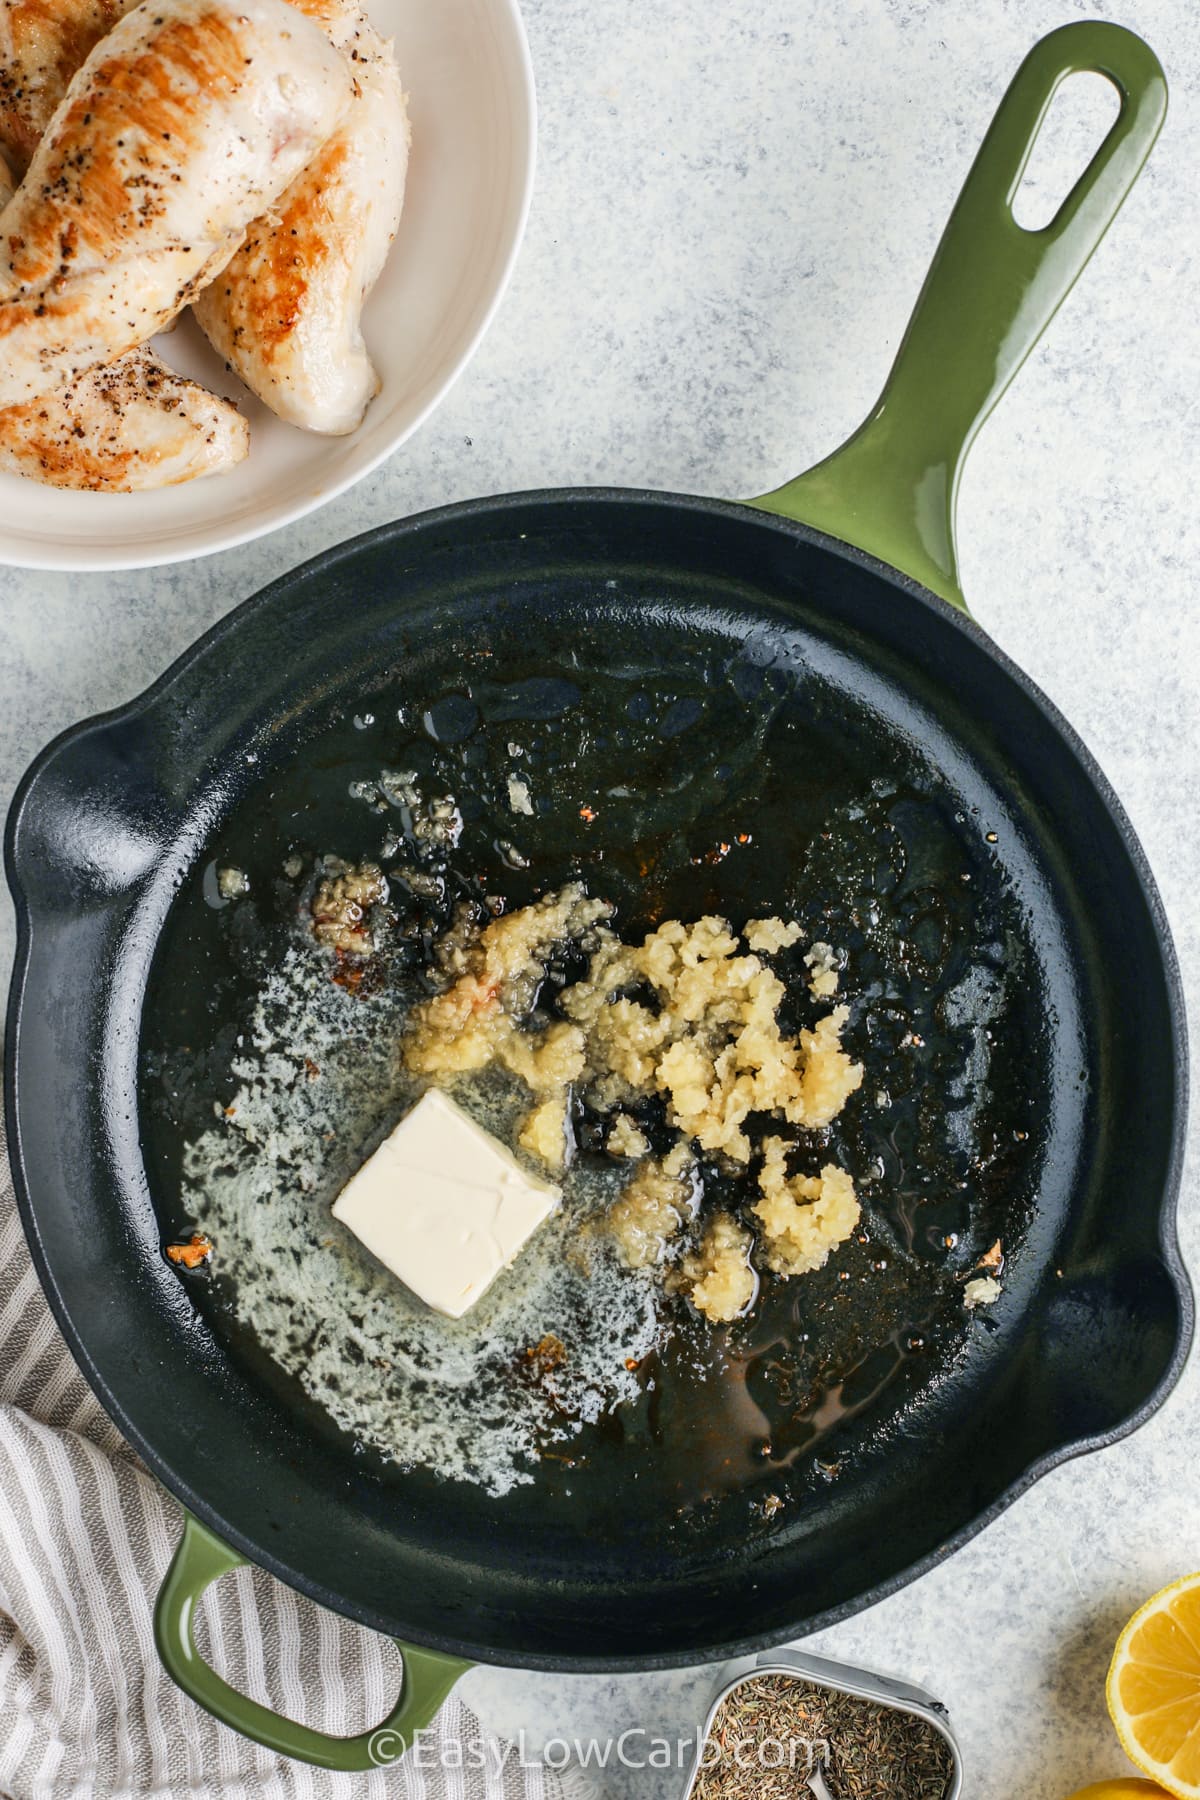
772, 1729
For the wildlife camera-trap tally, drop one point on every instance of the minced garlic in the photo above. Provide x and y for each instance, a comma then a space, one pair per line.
769, 935
544, 1132
719, 1279
712, 1044
477, 1020
341, 906
803, 1216
985, 1290
687, 1016
653, 1207
627, 1138
822, 964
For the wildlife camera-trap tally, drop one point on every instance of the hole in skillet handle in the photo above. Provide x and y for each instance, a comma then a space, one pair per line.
200, 1560
1083, 111
274, 1646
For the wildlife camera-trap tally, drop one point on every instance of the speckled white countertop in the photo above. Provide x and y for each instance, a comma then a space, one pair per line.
735, 207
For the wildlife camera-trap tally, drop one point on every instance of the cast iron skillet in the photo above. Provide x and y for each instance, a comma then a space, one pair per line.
841, 586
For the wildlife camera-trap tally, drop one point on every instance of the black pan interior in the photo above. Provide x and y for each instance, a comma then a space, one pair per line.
787, 728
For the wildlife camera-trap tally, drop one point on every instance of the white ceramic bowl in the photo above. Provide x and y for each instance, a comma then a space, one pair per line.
466, 70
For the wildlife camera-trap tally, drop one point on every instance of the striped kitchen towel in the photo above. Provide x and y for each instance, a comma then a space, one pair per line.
86, 1712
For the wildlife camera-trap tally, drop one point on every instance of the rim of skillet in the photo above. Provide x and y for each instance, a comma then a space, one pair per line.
916, 594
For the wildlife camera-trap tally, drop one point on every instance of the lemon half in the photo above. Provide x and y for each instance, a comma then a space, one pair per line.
1122, 1787
1154, 1688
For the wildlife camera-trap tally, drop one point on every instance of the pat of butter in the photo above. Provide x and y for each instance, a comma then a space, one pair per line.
443, 1205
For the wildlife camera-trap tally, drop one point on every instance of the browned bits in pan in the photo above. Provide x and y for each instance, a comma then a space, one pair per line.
992, 1261
193, 1253
548, 1354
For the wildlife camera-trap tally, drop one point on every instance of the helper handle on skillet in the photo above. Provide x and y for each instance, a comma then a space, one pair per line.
199, 1561
992, 290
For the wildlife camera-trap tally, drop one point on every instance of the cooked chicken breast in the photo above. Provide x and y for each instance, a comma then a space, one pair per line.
42, 43
184, 124
335, 17
316, 373
286, 313
123, 429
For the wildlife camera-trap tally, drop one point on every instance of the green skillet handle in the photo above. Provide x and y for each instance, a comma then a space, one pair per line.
199, 1561
992, 290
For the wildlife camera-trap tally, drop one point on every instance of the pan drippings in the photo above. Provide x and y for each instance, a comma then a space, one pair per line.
711, 787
